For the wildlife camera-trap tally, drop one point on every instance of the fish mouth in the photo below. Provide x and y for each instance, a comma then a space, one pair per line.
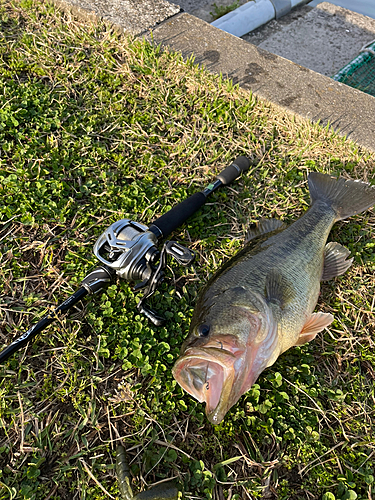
208, 374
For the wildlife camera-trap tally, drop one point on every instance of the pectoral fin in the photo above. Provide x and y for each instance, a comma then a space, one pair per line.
315, 324
335, 263
279, 290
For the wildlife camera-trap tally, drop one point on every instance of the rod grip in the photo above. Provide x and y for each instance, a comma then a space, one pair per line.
177, 215
229, 174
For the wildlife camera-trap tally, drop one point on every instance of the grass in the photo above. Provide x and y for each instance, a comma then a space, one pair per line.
95, 127
221, 10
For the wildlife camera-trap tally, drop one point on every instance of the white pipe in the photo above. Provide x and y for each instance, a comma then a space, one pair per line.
249, 16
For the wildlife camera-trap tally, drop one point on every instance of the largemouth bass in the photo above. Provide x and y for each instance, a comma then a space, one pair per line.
261, 302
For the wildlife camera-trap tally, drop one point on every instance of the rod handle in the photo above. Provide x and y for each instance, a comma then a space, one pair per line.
229, 174
170, 221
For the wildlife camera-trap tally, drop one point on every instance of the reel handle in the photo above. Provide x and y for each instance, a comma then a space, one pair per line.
170, 221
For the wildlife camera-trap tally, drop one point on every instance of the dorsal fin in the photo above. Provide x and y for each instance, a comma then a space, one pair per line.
264, 226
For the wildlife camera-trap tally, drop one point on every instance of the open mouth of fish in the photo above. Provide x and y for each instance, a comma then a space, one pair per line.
208, 374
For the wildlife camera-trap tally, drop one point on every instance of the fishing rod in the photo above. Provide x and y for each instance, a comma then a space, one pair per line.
128, 250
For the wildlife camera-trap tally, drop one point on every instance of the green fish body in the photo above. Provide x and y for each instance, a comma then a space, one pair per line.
261, 302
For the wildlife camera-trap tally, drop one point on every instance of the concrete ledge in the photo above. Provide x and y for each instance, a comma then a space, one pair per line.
304, 92
131, 16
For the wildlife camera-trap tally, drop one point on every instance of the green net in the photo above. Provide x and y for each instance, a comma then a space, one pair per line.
360, 73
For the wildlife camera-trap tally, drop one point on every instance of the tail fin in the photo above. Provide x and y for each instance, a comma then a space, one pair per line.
346, 197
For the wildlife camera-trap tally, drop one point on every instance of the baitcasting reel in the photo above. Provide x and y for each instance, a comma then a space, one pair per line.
129, 250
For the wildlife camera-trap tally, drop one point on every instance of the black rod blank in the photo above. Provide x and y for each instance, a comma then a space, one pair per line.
42, 324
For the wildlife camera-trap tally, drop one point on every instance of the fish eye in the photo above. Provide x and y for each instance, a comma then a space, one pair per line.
203, 330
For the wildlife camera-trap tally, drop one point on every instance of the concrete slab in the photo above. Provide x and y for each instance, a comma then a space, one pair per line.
323, 39
365, 7
209, 10
289, 85
262, 33
131, 16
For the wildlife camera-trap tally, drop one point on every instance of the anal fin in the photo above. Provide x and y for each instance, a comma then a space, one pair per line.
315, 324
335, 263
